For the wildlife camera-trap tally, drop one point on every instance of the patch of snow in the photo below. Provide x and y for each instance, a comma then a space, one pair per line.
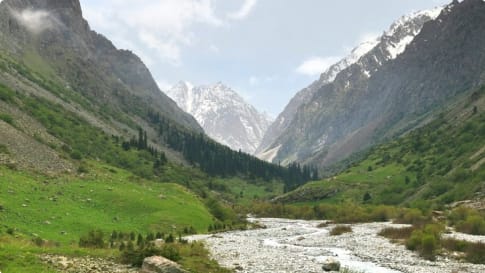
356, 53
404, 24
363, 49
399, 48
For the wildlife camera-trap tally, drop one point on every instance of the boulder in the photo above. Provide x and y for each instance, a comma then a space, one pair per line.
158, 264
331, 264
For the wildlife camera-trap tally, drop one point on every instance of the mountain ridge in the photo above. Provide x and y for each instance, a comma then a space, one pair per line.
80, 51
224, 114
342, 119
389, 45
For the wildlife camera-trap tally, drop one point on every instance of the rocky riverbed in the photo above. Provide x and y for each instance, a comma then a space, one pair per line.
297, 246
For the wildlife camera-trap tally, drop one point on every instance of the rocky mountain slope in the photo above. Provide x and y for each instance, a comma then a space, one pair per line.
223, 114
304, 96
48, 51
68, 95
440, 163
53, 39
391, 89
369, 55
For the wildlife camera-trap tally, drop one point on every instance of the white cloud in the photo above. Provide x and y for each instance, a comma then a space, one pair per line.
255, 80
36, 21
244, 11
368, 36
163, 26
316, 65
166, 49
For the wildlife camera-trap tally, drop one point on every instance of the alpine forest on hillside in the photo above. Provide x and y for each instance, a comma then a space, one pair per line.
218, 160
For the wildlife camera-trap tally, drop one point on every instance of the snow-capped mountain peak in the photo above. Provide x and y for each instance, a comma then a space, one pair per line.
405, 29
366, 59
223, 114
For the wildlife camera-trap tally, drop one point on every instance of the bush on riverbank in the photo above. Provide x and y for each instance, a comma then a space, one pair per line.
346, 212
340, 229
467, 220
397, 233
426, 240
413, 217
475, 253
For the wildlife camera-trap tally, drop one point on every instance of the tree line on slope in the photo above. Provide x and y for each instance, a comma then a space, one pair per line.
218, 160
211, 157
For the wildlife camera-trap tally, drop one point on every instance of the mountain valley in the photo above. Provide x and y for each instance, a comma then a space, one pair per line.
101, 169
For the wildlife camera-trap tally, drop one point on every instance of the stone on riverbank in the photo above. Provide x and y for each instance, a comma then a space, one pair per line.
158, 264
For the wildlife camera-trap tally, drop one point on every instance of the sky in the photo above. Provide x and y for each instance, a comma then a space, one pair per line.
266, 50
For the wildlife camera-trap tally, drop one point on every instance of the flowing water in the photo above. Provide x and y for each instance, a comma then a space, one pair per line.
298, 246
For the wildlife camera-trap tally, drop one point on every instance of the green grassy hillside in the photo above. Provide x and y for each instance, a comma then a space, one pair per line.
80, 168
438, 164
61, 209
107, 198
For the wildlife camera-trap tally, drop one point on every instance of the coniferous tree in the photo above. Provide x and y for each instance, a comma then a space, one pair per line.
140, 138
122, 246
139, 240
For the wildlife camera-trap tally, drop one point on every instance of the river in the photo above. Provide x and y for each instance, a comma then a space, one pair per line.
298, 246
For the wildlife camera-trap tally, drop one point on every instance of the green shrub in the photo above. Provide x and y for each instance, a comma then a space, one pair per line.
83, 168
220, 211
397, 233
94, 239
474, 224
460, 214
135, 257
454, 244
38, 241
76, 155
426, 241
340, 229
10, 231
4, 149
429, 245
382, 213
414, 240
475, 253
412, 217
461, 175
350, 213
7, 118
170, 238
6, 94
322, 225
170, 252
